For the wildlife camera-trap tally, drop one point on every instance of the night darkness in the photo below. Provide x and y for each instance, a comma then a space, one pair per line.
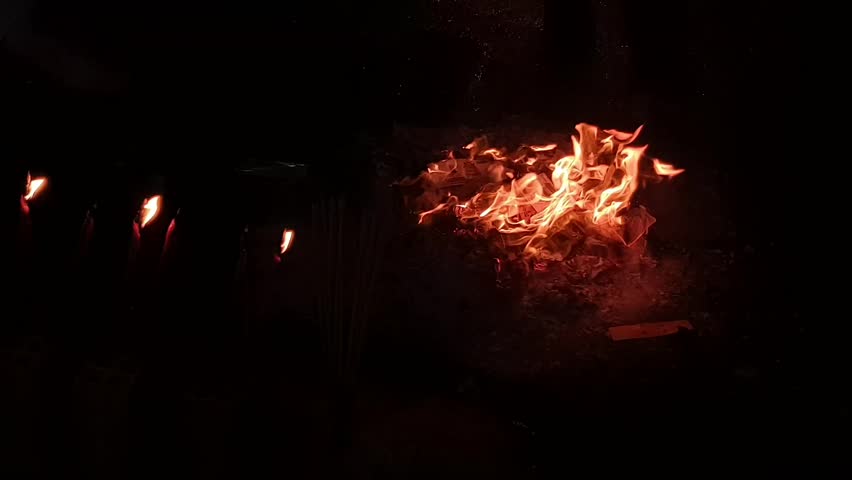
216, 359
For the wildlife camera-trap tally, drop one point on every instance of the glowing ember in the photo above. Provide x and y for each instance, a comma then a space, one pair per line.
149, 210
539, 196
287, 240
33, 186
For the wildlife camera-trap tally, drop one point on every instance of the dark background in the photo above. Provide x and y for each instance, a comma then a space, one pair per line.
174, 86
117, 99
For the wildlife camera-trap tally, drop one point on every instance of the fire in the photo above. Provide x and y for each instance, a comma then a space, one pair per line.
287, 240
33, 186
539, 193
150, 207
666, 170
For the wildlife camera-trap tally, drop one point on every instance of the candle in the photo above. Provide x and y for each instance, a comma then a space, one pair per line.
147, 213
165, 256
34, 187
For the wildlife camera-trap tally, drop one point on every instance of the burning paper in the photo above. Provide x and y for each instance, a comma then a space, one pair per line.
538, 196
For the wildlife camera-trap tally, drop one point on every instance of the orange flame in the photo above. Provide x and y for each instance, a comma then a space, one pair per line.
543, 190
33, 186
666, 170
543, 148
287, 240
150, 207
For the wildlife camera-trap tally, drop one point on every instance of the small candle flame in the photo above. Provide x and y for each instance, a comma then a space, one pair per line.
150, 207
287, 240
33, 186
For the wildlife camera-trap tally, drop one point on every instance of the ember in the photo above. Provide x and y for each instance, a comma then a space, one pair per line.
539, 197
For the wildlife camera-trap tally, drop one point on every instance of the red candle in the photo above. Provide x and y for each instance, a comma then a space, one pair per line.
33, 188
149, 210
167, 243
